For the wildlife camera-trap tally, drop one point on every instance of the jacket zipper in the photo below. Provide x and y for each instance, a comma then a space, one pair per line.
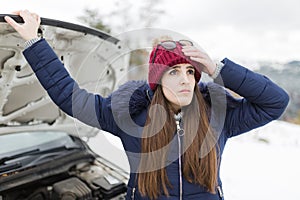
132, 195
220, 191
180, 132
180, 172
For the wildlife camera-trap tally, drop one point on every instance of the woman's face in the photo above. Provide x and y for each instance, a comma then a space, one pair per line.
178, 85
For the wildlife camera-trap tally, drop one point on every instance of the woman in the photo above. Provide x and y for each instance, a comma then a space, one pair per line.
175, 128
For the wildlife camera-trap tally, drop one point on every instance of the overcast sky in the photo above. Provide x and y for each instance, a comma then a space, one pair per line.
239, 29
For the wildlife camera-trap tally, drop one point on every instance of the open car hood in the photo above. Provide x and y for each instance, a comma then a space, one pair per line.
93, 58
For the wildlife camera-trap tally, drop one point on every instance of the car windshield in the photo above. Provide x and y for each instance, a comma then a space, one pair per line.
15, 142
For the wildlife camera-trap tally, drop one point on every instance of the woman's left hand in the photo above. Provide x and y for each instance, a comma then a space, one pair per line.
29, 29
195, 54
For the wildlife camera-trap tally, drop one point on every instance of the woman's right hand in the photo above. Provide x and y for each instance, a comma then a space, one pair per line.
29, 29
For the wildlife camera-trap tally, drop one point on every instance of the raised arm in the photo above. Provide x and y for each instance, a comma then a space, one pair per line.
64, 91
263, 100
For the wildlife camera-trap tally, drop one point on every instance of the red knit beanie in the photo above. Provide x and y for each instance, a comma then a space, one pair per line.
167, 58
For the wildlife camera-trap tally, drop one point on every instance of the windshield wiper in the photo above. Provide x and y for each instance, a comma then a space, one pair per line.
4, 168
4, 159
37, 152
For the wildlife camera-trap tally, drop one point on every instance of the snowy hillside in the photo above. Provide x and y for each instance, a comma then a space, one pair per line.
263, 164
287, 76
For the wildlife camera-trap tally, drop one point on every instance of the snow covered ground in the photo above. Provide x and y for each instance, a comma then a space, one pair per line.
263, 164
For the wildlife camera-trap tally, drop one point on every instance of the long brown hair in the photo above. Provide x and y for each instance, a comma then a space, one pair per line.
200, 165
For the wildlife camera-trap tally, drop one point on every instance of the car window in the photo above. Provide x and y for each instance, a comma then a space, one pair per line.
23, 140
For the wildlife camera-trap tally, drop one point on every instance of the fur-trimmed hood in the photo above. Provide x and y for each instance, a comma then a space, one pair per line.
137, 95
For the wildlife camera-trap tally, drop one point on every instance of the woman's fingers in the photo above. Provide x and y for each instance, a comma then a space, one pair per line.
194, 52
12, 22
191, 49
28, 29
27, 16
201, 57
17, 12
37, 17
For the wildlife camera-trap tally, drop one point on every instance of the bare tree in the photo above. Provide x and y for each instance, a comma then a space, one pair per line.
126, 15
150, 12
93, 18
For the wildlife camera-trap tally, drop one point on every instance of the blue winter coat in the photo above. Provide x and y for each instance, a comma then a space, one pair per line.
262, 102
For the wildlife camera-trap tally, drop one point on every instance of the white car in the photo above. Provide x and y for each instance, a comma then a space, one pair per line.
43, 152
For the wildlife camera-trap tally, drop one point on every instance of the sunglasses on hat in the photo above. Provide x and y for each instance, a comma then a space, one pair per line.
171, 45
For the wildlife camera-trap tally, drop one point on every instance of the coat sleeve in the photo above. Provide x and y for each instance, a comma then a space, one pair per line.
262, 102
92, 109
